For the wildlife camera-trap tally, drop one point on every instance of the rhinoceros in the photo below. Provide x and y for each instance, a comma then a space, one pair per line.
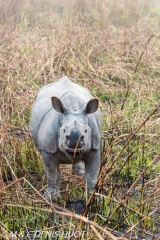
66, 128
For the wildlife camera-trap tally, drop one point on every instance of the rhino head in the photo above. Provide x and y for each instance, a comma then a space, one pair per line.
75, 133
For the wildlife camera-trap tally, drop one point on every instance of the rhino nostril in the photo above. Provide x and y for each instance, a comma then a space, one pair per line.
67, 136
82, 137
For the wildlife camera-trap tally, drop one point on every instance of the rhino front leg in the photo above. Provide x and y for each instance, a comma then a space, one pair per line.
58, 181
53, 175
92, 166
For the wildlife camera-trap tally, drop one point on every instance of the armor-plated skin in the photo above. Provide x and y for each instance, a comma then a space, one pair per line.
66, 128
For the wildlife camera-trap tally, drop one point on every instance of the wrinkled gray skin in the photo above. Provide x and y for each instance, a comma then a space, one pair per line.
66, 128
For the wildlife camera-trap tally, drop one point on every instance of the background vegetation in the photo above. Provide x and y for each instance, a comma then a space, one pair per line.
112, 48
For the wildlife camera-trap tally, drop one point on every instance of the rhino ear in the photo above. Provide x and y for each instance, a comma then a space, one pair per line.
57, 104
92, 106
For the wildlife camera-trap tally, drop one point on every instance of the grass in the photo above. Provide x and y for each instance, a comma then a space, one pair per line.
112, 48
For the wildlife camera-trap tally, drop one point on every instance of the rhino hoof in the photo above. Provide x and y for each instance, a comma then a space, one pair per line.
51, 196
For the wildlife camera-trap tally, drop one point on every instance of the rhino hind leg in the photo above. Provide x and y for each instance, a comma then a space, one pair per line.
53, 174
79, 167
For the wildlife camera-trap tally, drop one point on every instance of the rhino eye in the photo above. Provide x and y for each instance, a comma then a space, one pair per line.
86, 131
64, 130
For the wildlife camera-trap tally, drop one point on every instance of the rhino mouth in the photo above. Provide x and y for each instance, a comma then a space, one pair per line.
74, 151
